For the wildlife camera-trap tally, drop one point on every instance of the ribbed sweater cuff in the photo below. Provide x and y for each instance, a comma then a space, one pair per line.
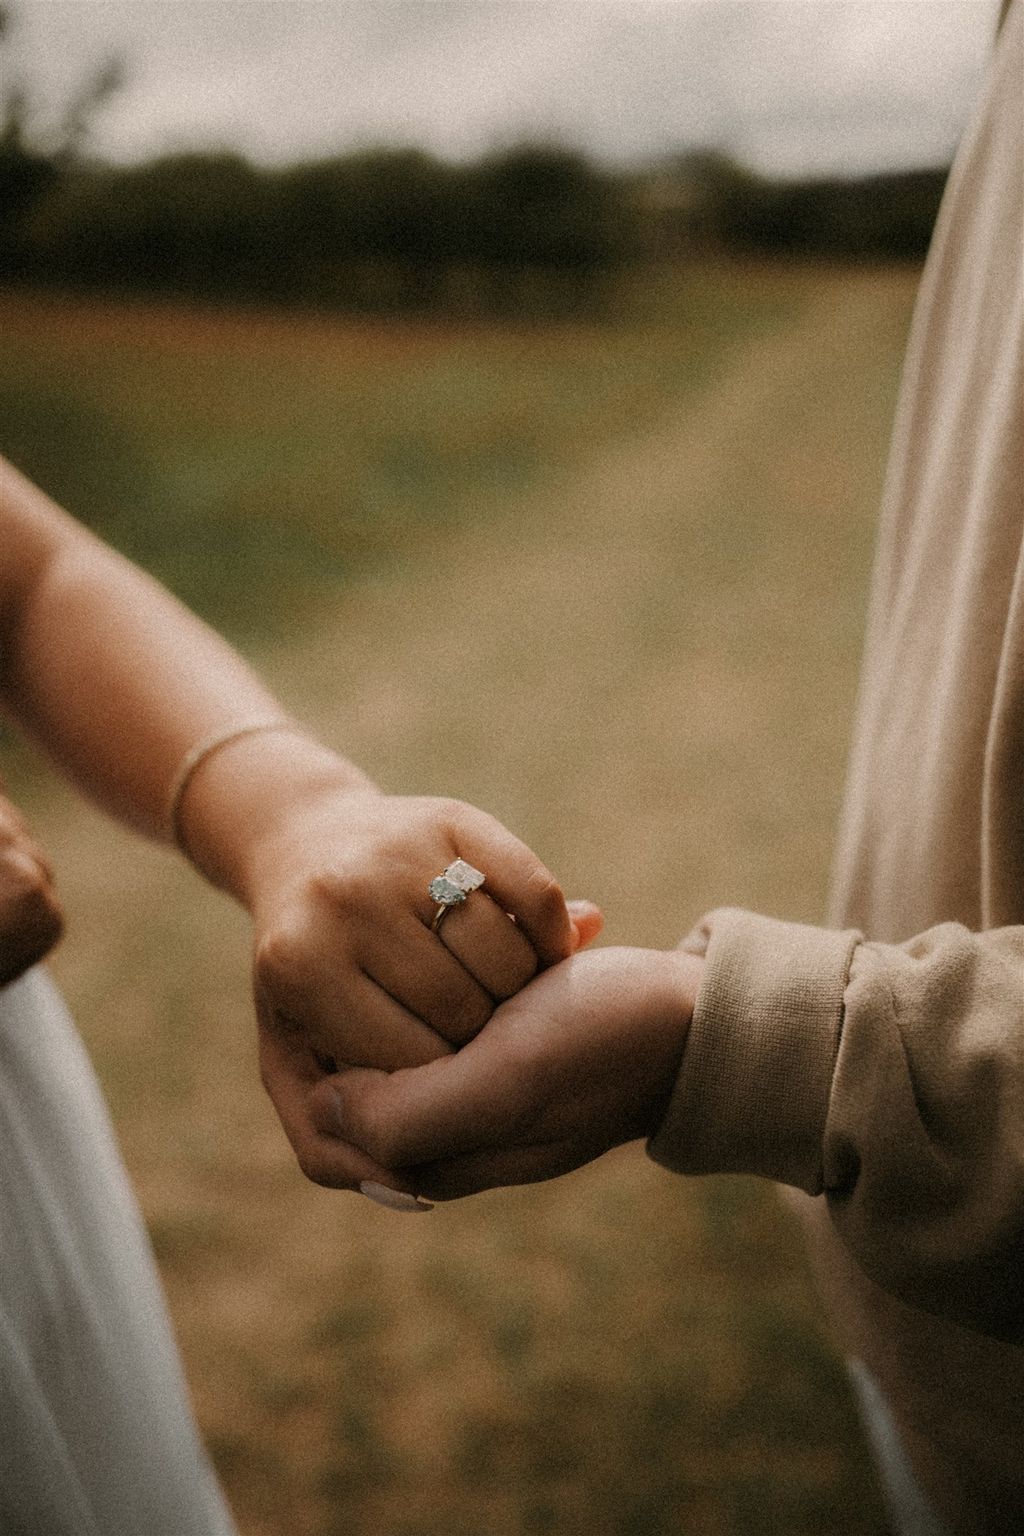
753, 1089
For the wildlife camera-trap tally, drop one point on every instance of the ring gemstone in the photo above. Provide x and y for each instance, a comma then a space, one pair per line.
464, 876
446, 891
456, 883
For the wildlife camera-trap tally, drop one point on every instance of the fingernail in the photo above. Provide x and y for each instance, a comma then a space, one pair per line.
394, 1199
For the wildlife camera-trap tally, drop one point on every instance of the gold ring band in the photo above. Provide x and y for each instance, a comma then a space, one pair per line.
440, 915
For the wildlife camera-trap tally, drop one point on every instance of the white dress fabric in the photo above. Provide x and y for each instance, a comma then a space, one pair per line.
96, 1435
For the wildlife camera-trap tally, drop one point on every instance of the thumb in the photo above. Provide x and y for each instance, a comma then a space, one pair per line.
415, 1115
586, 921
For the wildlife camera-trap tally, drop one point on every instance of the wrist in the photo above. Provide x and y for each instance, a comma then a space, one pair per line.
677, 978
240, 799
684, 974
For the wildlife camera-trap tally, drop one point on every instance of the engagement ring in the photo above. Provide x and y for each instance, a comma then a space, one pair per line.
451, 887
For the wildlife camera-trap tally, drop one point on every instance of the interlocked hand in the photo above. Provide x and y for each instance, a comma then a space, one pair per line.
581, 1060
350, 970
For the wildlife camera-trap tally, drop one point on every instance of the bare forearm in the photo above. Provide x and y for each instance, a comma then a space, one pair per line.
141, 703
106, 670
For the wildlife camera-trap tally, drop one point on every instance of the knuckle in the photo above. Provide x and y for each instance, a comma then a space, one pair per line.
338, 889
278, 957
349, 893
546, 891
452, 812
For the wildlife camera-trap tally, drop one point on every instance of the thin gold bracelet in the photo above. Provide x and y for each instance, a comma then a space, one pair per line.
200, 752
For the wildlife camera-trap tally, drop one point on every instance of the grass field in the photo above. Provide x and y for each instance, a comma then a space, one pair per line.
659, 532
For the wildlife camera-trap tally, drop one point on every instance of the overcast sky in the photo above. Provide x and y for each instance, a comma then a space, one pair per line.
788, 85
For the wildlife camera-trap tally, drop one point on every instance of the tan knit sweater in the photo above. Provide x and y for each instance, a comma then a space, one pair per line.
878, 1064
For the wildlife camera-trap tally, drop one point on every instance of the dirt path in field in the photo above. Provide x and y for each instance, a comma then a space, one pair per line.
579, 670
607, 676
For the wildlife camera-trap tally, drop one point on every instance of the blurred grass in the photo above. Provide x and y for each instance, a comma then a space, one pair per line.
297, 452
652, 678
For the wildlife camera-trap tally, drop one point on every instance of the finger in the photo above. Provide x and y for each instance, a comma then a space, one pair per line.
587, 921
359, 1025
323, 1159
493, 948
443, 1110
420, 973
519, 883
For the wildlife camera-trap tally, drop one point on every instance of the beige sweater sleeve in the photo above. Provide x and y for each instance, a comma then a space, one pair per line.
889, 1078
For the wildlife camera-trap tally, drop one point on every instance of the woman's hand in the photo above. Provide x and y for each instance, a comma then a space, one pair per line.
348, 971
583, 1059
343, 924
31, 920
347, 968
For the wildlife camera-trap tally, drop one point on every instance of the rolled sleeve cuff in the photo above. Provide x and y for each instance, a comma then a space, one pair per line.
753, 1090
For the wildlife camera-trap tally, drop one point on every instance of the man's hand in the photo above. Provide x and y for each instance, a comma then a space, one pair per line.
582, 1060
31, 920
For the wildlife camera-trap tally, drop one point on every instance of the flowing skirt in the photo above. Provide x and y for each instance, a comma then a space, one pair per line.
96, 1434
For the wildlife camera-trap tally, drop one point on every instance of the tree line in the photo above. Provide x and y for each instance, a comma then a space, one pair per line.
888, 216
384, 228
531, 226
